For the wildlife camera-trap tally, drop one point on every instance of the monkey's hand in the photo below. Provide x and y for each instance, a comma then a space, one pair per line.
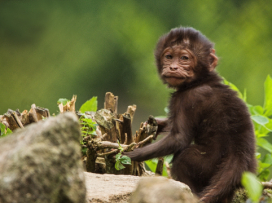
163, 126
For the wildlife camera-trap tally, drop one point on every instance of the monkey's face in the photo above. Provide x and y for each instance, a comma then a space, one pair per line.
177, 65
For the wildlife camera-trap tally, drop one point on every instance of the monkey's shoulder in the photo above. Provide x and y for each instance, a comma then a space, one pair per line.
193, 97
200, 93
207, 95
203, 90
215, 92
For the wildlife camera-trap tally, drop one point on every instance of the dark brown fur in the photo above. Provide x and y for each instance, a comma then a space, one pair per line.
211, 134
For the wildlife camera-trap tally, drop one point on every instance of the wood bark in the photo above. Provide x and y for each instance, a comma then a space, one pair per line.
159, 168
115, 127
111, 102
14, 119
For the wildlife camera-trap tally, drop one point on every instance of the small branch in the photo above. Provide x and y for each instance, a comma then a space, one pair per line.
145, 140
108, 153
168, 169
146, 129
118, 120
129, 147
267, 185
104, 136
106, 144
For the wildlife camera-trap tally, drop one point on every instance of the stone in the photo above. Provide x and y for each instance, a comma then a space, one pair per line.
42, 163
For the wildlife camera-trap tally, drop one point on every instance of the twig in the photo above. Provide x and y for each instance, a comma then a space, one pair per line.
145, 140
108, 144
118, 120
168, 169
108, 153
116, 150
98, 132
267, 185
129, 147
104, 136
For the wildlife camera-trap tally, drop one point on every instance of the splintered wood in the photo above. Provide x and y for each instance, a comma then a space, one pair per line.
16, 119
115, 127
69, 106
111, 102
102, 147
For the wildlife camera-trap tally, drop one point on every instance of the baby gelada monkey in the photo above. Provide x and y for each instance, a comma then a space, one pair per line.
209, 128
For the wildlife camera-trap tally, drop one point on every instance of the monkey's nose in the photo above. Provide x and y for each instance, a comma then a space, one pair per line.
173, 68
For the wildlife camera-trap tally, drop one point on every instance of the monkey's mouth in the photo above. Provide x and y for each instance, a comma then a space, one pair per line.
174, 77
174, 80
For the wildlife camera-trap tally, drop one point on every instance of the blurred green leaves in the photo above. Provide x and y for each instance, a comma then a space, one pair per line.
90, 105
51, 49
3, 131
87, 125
121, 159
152, 164
268, 96
252, 185
63, 101
262, 119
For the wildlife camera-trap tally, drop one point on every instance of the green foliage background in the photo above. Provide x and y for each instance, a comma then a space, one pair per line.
51, 49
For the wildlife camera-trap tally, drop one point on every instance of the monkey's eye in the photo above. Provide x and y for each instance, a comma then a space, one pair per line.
168, 56
185, 58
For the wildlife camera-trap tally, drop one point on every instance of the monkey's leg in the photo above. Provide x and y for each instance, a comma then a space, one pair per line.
193, 167
225, 180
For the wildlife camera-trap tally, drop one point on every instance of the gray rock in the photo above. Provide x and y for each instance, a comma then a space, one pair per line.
41, 163
109, 188
160, 189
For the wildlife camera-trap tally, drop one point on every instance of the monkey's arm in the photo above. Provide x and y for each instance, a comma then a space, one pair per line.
162, 122
167, 145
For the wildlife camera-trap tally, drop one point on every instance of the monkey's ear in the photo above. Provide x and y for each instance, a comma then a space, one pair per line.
214, 60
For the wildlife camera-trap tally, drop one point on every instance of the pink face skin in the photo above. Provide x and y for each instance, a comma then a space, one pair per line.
178, 64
